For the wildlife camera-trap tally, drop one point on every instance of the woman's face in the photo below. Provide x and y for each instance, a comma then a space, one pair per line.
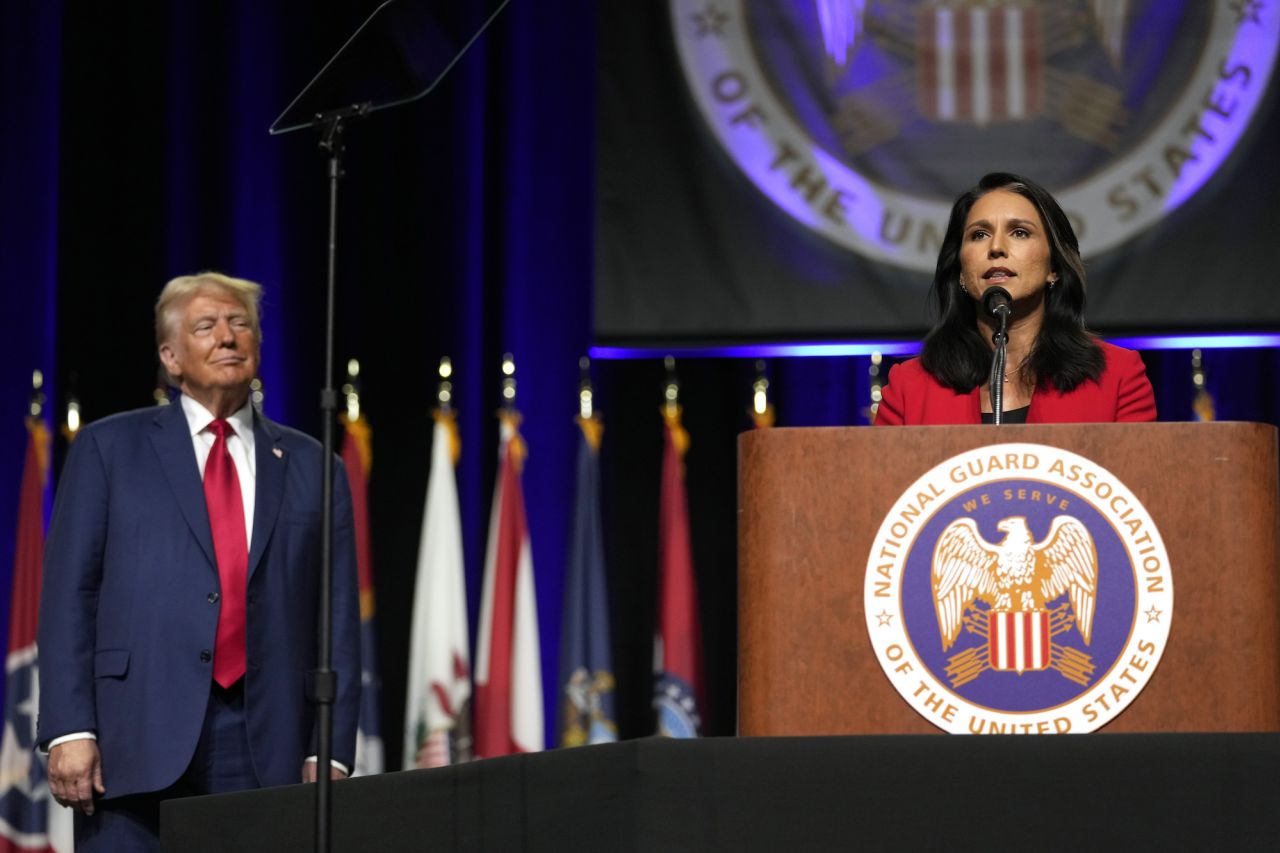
1005, 243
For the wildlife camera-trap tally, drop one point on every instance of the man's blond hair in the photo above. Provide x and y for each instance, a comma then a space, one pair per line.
181, 290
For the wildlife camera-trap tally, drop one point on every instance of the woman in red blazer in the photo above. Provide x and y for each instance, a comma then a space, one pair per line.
1010, 232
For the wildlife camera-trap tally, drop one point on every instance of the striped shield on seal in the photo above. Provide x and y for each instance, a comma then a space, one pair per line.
980, 64
1018, 641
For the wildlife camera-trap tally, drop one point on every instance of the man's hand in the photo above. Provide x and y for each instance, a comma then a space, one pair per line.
75, 773
309, 772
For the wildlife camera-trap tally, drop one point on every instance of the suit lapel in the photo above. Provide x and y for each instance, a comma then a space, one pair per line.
272, 464
171, 438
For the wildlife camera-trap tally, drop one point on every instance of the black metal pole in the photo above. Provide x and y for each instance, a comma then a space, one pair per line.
324, 683
998, 362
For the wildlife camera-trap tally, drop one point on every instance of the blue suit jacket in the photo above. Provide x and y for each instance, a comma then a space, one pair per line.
127, 615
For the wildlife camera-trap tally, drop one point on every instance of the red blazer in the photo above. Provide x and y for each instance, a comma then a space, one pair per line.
1122, 393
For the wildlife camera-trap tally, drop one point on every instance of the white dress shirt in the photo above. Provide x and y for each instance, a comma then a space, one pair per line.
239, 445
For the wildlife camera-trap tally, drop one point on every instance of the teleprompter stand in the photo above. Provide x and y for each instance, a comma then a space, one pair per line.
396, 57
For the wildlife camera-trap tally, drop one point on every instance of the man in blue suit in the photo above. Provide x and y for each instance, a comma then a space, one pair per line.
178, 615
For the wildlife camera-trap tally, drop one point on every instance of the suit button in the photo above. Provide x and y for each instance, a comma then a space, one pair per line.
206, 656
213, 598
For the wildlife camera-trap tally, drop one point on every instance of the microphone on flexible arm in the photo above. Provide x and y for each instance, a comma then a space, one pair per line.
997, 302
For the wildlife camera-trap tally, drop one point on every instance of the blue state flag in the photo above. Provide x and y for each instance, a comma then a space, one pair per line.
586, 660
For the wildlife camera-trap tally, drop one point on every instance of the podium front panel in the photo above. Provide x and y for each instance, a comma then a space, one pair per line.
811, 501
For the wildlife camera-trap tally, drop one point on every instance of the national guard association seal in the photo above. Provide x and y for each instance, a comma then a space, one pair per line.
1018, 589
862, 118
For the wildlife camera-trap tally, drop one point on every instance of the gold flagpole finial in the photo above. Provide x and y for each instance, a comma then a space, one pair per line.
71, 421
671, 389
351, 390
444, 389
35, 423
671, 410
762, 414
508, 415
585, 394
877, 383
1202, 402
508, 381
353, 419
588, 420
35, 403
444, 413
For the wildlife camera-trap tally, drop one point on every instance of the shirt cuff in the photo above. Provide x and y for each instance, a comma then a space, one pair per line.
311, 759
65, 738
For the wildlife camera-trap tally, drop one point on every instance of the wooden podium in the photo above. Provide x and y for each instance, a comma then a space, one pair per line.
811, 502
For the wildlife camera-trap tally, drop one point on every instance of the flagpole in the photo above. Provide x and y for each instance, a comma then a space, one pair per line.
1202, 403
877, 383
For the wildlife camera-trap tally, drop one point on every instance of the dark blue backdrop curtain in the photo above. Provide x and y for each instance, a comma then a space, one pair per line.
30, 72
464, 231
135, 149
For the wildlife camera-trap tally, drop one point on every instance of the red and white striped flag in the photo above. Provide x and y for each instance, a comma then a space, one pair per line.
981, 64
508, 673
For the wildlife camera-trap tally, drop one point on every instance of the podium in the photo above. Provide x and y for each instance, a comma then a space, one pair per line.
812, 500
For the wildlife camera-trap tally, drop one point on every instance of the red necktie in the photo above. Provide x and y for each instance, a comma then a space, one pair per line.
230, 545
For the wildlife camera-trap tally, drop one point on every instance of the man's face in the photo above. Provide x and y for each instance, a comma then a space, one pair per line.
213, 350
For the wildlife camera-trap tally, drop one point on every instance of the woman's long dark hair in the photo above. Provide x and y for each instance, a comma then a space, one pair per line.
1064, 353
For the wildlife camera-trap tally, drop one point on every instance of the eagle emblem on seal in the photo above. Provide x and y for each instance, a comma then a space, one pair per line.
1005, 592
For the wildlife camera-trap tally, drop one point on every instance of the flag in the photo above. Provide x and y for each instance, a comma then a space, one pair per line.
437, 713
357, 456
677, 643
29, 817
1202, 405
586, 661
508, 669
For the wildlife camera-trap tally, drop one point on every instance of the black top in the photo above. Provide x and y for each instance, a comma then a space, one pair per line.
1011, 416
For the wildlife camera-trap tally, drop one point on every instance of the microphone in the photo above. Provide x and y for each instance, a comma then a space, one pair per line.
996, 301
